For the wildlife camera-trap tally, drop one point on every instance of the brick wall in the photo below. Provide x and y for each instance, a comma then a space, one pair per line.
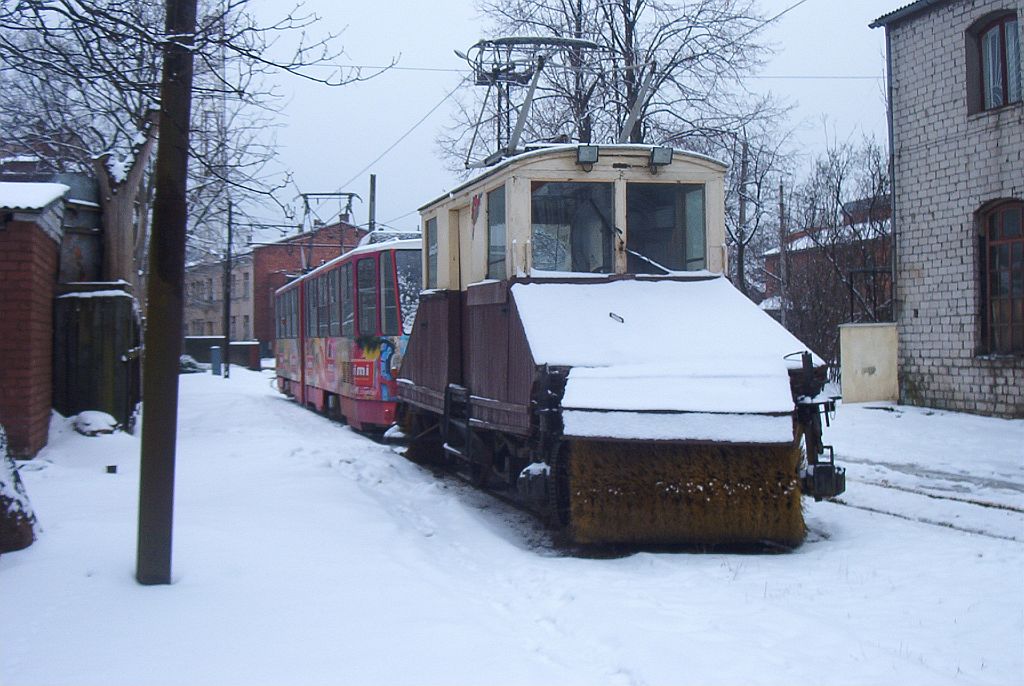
28, 272
948, 164
272, 265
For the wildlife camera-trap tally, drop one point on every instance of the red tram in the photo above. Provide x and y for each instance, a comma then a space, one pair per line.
342, 330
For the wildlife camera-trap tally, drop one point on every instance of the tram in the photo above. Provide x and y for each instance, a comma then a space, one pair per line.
342, 329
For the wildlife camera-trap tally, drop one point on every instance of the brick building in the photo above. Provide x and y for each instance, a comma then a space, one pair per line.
957, 146
204, 299
30, 236
275, 264
834, 275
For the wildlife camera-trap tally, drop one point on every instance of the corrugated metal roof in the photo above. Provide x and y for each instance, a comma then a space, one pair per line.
906, 12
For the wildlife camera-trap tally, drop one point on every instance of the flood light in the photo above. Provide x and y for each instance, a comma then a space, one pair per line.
661, 156
586, 154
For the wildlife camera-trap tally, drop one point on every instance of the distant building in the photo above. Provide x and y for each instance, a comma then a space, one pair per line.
275, 264
957, 144
204, 299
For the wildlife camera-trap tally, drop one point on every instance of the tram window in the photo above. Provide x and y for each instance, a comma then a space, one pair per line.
332, 296
293, 313
410, 278
496, 234
366, 282
665, 224
431, 231
323, 308
347, 308
573, 227
311, 323
388, 296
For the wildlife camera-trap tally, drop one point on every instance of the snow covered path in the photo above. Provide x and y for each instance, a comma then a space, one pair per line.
306, 554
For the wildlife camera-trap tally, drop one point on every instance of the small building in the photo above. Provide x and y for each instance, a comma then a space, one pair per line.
30, 239
956, 121
275, 264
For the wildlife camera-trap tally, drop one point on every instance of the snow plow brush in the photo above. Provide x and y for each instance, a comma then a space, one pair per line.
662, 493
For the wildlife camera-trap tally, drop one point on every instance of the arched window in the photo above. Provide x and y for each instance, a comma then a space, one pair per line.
1002, 241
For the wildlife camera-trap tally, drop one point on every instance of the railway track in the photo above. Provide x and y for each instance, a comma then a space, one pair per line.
925, 520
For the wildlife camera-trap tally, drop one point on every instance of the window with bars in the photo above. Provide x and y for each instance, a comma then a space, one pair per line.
1002, 243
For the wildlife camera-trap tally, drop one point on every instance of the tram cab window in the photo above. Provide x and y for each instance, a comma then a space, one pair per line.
496, 234
388, 296
347, 302
573, 227
665, 223
366, 283
431, 236
410, 281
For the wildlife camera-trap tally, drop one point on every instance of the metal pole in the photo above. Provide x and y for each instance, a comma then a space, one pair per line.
164, 294
373, 202
227, 300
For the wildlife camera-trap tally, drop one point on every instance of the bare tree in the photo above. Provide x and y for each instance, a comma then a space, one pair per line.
839, 259
688, 55
84, 79
757, 155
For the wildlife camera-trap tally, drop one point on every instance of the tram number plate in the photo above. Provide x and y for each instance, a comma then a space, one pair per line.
362, 372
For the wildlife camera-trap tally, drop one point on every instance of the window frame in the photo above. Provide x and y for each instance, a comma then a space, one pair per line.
497, 269
978, 88
990, 220
431, 253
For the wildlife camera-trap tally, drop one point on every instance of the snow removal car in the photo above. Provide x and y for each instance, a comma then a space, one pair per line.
577, 347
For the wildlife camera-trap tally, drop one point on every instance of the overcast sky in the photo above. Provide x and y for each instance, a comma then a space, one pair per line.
827, 62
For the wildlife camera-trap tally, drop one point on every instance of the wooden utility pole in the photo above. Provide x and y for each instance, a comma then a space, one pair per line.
227, 299
783, 267
741, 230
164, 293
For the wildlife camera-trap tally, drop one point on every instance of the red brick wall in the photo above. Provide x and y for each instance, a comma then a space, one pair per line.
28, 272
273, 263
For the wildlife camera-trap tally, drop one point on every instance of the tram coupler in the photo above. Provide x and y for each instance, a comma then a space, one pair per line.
824, 479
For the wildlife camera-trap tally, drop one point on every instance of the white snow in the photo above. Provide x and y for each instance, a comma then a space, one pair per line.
97, 294
306, 554
93, 422
664, 426
16, 195
695, 346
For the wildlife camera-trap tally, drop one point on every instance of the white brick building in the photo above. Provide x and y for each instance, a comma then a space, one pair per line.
957, 144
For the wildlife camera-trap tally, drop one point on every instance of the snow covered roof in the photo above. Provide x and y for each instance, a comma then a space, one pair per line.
16, 195
644, 351
864, 231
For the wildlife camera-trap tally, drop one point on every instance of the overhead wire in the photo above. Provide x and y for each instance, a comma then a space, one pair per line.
401, 138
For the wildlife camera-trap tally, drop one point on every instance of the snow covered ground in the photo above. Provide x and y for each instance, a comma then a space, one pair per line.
306, 554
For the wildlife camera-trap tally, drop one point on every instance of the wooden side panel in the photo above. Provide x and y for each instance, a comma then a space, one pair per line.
434, 355
522, 368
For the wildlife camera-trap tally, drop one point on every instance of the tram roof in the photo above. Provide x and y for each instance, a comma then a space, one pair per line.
556, 148
400, 244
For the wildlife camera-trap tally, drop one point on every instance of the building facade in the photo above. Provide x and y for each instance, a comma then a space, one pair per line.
204, 299
957, 145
